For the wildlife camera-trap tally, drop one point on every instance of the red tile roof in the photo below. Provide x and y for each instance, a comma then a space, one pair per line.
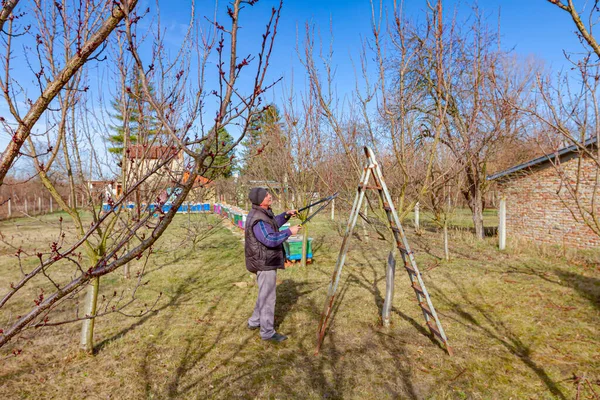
140, 151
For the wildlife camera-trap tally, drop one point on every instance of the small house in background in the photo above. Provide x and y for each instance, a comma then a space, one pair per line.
103, 189
540, 208
150, 156
203, 190
145, 158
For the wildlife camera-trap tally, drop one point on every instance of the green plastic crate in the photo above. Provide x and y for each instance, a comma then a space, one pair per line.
293, 248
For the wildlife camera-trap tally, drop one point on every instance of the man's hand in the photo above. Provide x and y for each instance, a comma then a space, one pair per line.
295, 229
291, 213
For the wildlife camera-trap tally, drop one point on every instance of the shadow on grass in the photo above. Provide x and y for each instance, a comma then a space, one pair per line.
495, 329
252, 368
389, 343
198, 346
533, 268
318, 243
174, 301
288, 294
219, 358
245, 367
378, 272
586, 286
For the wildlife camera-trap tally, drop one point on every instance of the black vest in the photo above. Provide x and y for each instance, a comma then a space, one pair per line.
258, 256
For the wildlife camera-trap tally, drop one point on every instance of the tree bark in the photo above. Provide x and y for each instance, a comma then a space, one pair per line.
304, 245
389, 287
87, 329
476, 206
446, 249
474, 195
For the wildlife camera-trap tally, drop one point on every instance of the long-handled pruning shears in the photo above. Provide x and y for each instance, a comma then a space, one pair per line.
325, 200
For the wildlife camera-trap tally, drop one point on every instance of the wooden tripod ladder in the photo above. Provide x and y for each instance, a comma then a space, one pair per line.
431, 318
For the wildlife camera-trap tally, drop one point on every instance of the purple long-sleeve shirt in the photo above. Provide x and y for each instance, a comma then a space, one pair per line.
265, 233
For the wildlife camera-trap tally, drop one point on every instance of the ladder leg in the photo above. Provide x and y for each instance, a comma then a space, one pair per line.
337, 272
431, 318
410, 264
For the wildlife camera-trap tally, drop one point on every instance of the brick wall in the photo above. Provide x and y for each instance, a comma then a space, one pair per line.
538, 203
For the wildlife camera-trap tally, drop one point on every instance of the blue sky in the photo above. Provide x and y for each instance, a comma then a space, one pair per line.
529, 27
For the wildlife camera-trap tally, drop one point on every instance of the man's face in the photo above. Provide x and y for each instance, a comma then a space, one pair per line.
268, 200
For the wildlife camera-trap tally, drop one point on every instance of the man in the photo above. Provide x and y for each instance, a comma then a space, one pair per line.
264, 256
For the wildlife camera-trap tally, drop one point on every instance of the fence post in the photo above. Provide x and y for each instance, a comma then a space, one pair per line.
9, 209
39, 205
502, 224
26, 206
50, 205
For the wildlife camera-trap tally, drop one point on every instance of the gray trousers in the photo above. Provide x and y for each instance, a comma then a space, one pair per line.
264, 310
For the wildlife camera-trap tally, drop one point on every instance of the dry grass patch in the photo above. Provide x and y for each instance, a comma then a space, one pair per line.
521, 323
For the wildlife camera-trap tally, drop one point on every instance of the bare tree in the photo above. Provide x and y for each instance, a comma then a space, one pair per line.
568, 110
444, 194
110, 14
101, 246
386, 113
480, 92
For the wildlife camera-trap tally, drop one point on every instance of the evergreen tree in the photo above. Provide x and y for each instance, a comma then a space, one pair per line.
221, 162
263, 125
141, 121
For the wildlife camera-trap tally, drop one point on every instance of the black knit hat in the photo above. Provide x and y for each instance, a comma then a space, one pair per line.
257, 195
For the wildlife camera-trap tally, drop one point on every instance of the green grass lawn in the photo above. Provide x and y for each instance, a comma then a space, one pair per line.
522, 323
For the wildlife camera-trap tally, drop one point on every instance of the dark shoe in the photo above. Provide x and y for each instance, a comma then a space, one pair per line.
277, 337
252, 327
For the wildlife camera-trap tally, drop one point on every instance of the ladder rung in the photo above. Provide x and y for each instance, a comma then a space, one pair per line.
402, 249
426, 308
418, 288
434, 329
410, 269
375, 187
372, 179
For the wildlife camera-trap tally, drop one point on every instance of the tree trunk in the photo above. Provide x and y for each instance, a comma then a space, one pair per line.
87, 329
52, 89
333, 209
304, 245
477, 210
389, 287
417, 218
475, 201
446, 249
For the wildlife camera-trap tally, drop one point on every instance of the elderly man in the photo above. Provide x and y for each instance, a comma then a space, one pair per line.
264, 256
